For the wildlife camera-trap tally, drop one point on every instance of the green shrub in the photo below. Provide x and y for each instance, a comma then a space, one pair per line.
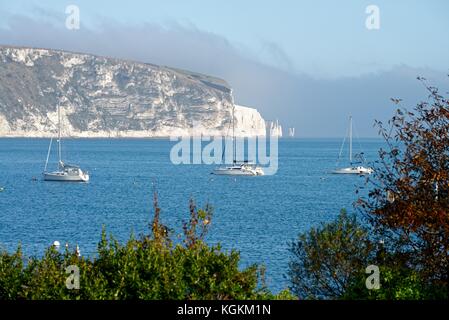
325, 260
150, 267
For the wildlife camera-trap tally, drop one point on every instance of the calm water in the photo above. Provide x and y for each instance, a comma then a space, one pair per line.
256, 215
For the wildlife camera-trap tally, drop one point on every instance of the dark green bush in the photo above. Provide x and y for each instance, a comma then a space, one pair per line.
326, 259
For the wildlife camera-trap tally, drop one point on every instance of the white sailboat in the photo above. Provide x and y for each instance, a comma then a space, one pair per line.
65, 172
353, 169
238, 168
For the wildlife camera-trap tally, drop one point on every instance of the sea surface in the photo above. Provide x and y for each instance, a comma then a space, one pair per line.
257, 216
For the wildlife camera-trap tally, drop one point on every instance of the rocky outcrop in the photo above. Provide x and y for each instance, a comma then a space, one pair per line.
107, 97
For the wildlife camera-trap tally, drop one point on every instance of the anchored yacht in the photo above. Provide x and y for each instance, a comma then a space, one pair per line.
240, 169
64, 172
353, 169
243, 168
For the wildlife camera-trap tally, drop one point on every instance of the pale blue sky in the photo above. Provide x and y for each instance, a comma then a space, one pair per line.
323, 38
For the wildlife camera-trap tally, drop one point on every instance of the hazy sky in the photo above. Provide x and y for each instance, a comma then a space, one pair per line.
308, 63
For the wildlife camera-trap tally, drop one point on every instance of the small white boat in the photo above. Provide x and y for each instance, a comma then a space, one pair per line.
65, 172
352, 169
239, 169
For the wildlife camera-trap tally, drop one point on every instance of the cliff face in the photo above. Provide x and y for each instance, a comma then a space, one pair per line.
248, 122
105, 97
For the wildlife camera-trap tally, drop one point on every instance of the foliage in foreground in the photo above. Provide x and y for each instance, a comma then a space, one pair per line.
330, 262
151, 267
407, 211
326, 258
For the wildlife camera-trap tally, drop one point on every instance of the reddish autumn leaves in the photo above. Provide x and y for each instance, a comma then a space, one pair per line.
409, 200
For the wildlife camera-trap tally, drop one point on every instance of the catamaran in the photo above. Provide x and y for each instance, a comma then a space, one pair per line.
353, 169
238, 168
65, 172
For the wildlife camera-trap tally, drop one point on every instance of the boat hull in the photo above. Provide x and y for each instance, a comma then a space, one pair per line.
232, 172
356, 170
63, 177
238, 171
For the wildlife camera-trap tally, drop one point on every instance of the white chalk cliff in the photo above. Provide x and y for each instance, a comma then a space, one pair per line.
106, 97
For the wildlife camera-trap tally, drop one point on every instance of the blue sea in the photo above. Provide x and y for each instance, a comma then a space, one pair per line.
257, 216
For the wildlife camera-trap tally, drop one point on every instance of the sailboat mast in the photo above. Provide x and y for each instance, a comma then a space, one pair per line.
234, 149
59, 135
350, 139
48, 154
233, 135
